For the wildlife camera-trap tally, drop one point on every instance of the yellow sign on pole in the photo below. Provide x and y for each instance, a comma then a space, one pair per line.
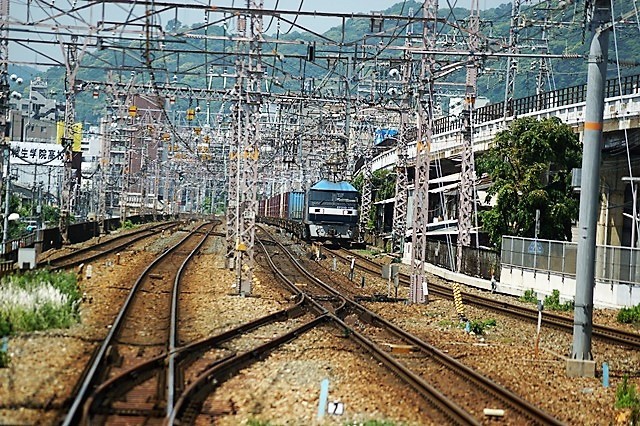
133, 111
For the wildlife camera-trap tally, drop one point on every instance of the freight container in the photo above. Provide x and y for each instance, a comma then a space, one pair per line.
273, 206
284, 205
296, 205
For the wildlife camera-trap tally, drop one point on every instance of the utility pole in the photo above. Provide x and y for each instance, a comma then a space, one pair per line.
367, 193
70, 180
581, 362
234, 182
68, 137
512, 62
247, 134
4, 111
467, 167
418, 290
405, 136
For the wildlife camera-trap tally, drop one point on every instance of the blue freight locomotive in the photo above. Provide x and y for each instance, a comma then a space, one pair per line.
327, 212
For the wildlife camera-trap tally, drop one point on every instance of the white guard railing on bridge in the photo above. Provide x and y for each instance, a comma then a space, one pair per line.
545, 265
619, 109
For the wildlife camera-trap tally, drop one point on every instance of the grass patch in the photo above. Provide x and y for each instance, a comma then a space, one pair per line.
479, 327
38, 300
629, 315
446, 323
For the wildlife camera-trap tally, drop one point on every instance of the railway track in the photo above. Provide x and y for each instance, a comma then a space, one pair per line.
117, 243
551, 319
461, 403
145, 328
145, 375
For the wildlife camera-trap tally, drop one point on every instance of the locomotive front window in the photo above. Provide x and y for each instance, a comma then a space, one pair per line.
333, 199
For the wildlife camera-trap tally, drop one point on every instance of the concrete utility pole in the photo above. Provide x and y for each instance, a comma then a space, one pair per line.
581, 362
418, 290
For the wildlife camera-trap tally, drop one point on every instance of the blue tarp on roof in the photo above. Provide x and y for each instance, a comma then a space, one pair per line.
325, 185
384, 134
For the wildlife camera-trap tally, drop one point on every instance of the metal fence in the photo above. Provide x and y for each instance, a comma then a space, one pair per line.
476, 262
614, 264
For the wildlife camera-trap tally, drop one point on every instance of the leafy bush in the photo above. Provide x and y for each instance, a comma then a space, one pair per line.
627, 397
629, 315
553, 302
529, 296
5, 359
38, 300
5, 325
478, 327
127, 224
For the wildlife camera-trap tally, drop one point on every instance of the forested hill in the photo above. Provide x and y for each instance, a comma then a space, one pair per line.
183, 57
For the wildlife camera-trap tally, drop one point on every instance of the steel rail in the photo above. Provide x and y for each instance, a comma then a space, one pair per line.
89, 382
139, 235
564, 323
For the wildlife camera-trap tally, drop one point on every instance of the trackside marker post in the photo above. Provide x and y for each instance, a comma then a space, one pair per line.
540, 308
324, 395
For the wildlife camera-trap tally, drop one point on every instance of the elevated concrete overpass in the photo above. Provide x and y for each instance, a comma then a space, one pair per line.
621, 123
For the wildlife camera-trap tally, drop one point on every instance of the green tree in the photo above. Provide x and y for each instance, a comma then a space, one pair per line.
530, 166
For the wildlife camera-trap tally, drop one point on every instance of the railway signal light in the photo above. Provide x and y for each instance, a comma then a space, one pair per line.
311, 52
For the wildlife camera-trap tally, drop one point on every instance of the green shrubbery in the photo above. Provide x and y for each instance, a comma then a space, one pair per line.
529, 296
38, 300
629, 315
627, 397
5, 358
127, 224
551, 302
479, 327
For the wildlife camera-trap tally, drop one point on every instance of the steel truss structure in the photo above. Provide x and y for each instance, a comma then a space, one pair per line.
268, 119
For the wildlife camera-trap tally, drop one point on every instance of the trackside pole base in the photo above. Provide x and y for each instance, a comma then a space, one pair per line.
580, 368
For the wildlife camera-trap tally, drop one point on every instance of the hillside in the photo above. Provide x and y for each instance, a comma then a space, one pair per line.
188, 58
